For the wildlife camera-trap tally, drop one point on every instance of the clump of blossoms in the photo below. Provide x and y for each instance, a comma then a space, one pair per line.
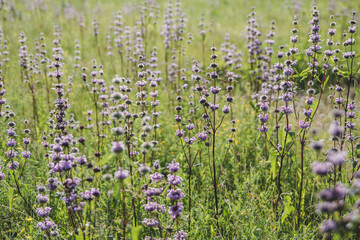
28, 78
123, 143
282, 80
123, 128
259, 56
213, 116
26, 141
231, 55
118, 148
64, 159
309, 111
14, 170
43, 211
187, 136
255, 50
154, 77
153, 206
348, 105
97, 91
11, 146
2, 175
12, 155
313, 53
175, 196
124, 113
8, 117
2, 94
154, 197
43, 60
147, 77
4, 49
335, 198
173, 33
341, 220
279, 88
135, 122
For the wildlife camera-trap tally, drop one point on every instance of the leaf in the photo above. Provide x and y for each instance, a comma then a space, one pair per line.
326, 81
281, 115
303, 78
79, 235
316, 103
252, 105
135, 233
292, 134
288, 208
273, 162
11, 198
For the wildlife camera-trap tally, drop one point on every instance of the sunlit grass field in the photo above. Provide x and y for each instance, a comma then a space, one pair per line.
201, 119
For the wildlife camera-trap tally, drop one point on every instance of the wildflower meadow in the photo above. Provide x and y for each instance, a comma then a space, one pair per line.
179, 119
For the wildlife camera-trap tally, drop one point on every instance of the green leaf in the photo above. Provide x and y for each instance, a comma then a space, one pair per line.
288, 208
326, 80
281, 115
135, 233
252, 105
212, 231
316, 103
273, 162
292, 134
11, 198
79, 235
354, 164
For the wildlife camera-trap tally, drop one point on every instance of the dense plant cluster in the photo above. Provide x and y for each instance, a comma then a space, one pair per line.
160, 120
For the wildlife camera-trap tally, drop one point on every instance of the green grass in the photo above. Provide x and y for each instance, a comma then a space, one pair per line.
247, 187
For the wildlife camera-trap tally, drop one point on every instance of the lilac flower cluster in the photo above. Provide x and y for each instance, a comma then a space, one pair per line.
47, 225
97, 91
334, 198
175, 195
231, 55
153, 193
64, 156
278, 88
254, 47
11, 153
